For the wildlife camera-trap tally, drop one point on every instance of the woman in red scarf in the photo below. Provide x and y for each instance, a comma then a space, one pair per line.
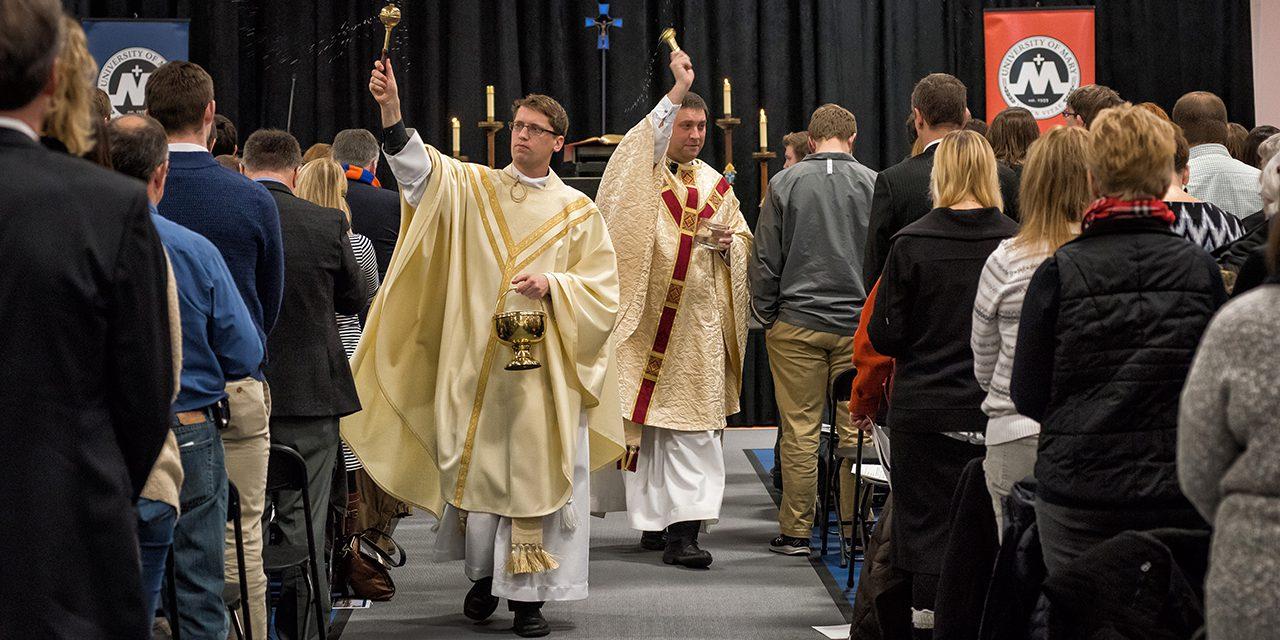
1108, 330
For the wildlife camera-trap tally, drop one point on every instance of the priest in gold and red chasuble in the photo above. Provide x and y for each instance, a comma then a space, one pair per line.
682, 249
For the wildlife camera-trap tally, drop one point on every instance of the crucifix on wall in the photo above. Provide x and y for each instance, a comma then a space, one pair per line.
602, 22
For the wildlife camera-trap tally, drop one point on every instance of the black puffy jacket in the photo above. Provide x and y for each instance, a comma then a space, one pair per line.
1108, 331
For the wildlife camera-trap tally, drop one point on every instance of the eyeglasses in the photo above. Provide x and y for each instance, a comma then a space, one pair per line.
1067, 113
533, 129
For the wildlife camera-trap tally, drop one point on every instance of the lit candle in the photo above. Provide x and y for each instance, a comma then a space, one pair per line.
457, 137
488, 102
728, 111
764, 131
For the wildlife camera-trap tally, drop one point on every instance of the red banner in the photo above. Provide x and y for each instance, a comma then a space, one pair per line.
1036, 58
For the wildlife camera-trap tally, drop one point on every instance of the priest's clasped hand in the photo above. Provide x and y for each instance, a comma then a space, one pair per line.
533, 286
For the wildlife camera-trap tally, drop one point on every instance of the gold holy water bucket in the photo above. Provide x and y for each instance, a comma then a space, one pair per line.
520, 330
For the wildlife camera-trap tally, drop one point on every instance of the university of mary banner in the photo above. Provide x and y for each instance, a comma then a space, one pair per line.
127, 51
1036, 58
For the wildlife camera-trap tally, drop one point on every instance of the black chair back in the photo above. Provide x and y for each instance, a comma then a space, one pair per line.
842, 386
286, 470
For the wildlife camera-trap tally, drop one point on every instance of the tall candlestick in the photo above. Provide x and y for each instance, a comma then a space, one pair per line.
728, 100
457, 136
488, 102
764, 130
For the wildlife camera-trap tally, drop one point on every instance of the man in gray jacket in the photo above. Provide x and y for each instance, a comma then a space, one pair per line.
807, 290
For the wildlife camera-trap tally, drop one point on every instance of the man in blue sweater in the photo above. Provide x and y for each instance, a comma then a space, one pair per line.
219, 341
240, 218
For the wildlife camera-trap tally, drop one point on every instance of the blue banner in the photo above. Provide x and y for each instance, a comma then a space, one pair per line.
127, 51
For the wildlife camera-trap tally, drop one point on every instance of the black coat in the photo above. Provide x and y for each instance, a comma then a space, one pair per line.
902, 197
1014, 608
1139, 584
923, 318
308, 371
1108, 330
375, 214
970, 557
86, 378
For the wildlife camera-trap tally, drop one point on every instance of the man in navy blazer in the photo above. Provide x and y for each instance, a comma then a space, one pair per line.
239, 217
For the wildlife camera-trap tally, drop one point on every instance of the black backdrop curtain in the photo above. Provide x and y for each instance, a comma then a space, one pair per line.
785, 56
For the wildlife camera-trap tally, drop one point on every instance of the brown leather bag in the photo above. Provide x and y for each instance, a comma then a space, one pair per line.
365, 566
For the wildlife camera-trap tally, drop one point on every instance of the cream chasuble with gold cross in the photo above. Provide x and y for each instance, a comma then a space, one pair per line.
443, 422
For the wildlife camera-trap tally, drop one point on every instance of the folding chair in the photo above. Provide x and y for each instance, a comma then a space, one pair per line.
866, 478
287, 471
838, 393
232, 597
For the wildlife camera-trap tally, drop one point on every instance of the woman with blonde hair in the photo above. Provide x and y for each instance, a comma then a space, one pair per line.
1054, 194
323, 182
69, 124
1109, 325
922, 319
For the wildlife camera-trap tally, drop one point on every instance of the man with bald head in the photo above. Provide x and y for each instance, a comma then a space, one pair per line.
219, 343
1215, 176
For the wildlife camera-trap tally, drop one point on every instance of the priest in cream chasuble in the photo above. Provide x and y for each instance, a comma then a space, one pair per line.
682, 324
501, 457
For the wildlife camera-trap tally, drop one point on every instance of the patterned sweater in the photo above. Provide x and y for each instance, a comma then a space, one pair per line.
996, 312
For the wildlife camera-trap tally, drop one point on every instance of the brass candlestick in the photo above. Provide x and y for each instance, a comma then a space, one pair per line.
491, 129
727, 123
668, 36
390, 17
763, 157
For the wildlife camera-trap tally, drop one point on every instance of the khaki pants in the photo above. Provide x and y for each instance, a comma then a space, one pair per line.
804, 363
1005, 465
247, 442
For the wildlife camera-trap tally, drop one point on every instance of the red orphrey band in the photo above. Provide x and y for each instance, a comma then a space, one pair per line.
686, 217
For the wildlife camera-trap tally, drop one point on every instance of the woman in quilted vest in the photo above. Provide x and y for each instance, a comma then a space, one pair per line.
1109, 327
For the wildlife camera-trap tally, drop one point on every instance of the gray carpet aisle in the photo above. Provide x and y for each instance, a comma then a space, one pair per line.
747, 593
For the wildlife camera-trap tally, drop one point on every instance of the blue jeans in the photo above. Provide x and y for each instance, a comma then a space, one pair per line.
155, 533
197, 542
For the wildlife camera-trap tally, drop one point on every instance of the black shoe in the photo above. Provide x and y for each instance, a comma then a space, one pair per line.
682, 546
653, 540
687, 554
790, 546
529, 622
480, 602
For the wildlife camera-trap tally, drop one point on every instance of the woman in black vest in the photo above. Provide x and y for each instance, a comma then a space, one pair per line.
1108, 331
923, 318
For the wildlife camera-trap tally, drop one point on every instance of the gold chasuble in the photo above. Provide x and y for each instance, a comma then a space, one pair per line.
682, 323
442, 420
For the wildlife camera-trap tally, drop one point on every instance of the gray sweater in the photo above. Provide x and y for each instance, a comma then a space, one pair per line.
1229, 419
806, 266
1229, 462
